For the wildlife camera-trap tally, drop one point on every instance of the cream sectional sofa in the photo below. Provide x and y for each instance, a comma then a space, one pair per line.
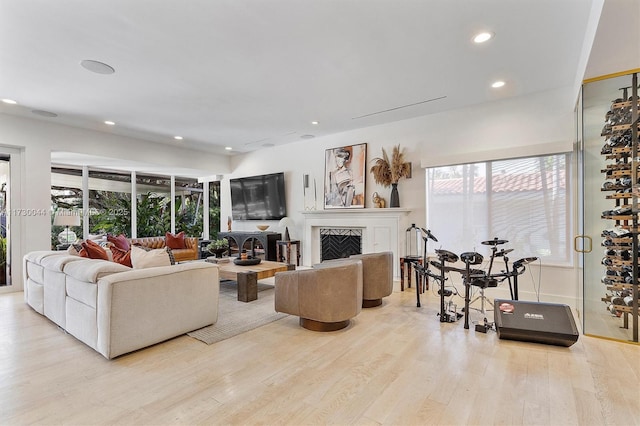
115, 309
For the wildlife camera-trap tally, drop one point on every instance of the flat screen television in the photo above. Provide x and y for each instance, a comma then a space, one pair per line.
258, 197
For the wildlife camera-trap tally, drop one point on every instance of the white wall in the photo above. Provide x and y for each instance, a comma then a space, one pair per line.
520, 126
30, 142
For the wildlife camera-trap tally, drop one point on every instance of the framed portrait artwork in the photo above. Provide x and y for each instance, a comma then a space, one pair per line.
344, 176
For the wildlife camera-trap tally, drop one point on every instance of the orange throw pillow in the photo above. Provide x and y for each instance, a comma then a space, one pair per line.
120, 241
93, 250
175, 241
120, 256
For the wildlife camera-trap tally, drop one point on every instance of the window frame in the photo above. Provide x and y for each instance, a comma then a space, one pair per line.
568, 258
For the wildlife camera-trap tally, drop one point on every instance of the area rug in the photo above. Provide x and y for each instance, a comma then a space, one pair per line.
238, 317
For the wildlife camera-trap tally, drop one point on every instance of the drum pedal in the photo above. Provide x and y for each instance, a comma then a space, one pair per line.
484, 327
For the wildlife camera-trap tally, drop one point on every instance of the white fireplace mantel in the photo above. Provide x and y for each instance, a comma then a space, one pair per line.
382, 230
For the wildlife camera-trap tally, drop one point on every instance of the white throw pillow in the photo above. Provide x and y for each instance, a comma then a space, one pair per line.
141, 258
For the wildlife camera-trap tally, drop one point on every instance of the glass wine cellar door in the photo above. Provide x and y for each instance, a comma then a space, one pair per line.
610, 191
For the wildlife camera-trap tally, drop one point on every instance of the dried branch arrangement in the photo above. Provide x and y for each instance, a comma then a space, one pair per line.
387, 172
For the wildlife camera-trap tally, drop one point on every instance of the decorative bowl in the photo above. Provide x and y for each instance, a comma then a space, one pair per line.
262, 227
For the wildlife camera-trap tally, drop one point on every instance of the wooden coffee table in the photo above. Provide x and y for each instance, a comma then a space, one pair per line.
247, 276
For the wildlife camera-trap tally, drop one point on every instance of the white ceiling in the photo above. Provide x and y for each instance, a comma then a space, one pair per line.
248, 73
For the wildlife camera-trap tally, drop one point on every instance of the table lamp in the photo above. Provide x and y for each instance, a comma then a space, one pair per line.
285, 223
66, 218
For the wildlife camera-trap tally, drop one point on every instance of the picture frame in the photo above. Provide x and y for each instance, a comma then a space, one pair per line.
344, 177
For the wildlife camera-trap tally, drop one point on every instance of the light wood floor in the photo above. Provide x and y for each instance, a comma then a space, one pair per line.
396, 364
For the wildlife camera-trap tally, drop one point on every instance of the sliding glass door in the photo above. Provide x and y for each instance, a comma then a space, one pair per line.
5, 218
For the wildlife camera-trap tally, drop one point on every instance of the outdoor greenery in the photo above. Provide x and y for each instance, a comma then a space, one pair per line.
110, 212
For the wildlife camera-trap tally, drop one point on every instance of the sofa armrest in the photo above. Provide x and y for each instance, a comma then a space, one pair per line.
191, 243
142, 307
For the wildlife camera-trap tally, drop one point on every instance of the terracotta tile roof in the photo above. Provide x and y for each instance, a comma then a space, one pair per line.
502, 183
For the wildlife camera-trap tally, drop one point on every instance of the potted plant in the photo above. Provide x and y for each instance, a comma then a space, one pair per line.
387, 172
218, 247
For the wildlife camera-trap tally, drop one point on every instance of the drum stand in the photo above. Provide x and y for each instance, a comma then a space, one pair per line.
469, 258
422, 271
483, 299
445, 256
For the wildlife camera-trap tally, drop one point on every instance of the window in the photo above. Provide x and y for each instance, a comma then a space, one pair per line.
524, 201
110, 202
189, 207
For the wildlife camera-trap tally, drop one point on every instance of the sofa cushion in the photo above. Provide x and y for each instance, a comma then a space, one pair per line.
91, 270
57, 263
120, 256
120, 242
82, 291
175, 241
74, 249
37, 256
141, 259
35, 272
82, 322
34, 295
92, 250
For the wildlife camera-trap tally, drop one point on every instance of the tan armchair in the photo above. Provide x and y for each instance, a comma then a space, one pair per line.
325, 297
377, 277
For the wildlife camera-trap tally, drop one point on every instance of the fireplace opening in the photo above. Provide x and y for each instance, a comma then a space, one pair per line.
336, 243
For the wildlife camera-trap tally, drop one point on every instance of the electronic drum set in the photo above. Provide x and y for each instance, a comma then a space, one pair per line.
471, 276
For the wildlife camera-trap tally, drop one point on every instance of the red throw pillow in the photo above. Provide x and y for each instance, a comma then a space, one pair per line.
122, 257
93, 251
120, 241
175, 241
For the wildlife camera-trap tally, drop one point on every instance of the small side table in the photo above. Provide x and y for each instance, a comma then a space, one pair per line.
283, 251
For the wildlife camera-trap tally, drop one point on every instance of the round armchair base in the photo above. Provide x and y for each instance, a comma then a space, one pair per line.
323, 326
371, 303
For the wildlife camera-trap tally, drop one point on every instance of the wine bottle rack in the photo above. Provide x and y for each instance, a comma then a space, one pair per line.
622, 185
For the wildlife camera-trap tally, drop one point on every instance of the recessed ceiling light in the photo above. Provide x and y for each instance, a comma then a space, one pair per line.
498, 84
97, 67
178, 138
228, 148
43, 113
482, 37
109, 123
9, 101
307, 137
315, 123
